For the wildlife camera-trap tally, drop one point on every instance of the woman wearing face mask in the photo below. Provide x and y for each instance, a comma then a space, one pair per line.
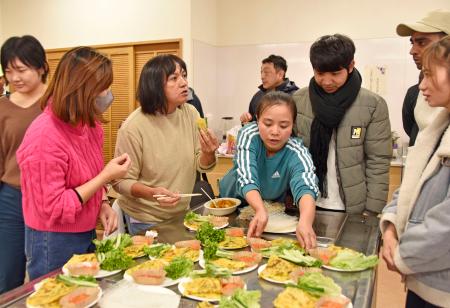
165, 145
416, 224
25, 66
61, 163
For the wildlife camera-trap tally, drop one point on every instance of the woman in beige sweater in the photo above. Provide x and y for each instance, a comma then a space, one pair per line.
164, 144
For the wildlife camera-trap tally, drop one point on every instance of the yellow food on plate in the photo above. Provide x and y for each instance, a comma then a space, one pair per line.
135, 251
203, 287
205, 305
278, 269
49, 293
151, 264
232, 265
217, 221
202, 124
233, 242
87, 257
294, 298
281, 241
187, 252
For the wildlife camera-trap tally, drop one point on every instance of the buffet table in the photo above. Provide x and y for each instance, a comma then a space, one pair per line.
354, 231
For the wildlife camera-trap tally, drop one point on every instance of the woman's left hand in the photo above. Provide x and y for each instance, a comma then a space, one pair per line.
208, 141
109, 219
306, 235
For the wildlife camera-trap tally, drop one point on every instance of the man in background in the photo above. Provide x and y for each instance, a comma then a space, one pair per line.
273, 77
416, 113
195, 101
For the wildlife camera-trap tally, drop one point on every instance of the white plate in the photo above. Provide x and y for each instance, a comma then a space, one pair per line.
215, 228
263, 267
126, 294
40, 283
242, 271
198, 298
166, 283
100, 274
336, 269
222, 211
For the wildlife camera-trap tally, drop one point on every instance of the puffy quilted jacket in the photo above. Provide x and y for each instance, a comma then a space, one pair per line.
363, 149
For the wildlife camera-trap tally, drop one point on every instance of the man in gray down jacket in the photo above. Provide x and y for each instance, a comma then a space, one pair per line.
346, 129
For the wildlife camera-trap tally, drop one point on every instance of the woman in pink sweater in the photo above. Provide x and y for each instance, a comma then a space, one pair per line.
61, 163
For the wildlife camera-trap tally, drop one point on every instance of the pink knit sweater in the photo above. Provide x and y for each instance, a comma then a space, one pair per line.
54, 158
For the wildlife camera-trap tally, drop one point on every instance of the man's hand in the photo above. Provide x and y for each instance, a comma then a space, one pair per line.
169, 199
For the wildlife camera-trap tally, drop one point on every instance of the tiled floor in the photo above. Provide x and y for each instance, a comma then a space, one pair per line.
390, 291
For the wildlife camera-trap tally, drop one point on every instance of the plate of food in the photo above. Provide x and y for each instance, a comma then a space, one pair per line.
312, 290
343, 259
278, 270
273, 277
54, 292
86, 265
136, 249
189, 249
234, 239
210, 289
298, 298
192, 221
274, 247
236, 267
150, 273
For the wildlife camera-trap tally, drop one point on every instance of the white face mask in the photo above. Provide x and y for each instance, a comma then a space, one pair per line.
103, 102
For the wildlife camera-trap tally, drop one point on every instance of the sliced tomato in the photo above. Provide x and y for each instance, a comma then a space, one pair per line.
235, 232
193, 244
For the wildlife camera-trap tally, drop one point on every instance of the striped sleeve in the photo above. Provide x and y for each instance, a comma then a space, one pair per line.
303, 178
246, 159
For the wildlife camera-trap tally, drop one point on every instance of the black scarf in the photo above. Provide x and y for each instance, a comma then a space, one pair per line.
329, 109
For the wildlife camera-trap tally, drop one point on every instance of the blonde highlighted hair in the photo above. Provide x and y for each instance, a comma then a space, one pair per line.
81, 75
437, 54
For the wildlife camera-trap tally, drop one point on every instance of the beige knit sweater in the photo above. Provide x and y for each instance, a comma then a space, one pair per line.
164, 152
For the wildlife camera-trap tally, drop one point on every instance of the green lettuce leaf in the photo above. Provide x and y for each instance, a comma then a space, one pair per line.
156, 250
241, 299
352, 260
211, 271
114, 260
317, 285
297, 257
179, 267
207, 232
